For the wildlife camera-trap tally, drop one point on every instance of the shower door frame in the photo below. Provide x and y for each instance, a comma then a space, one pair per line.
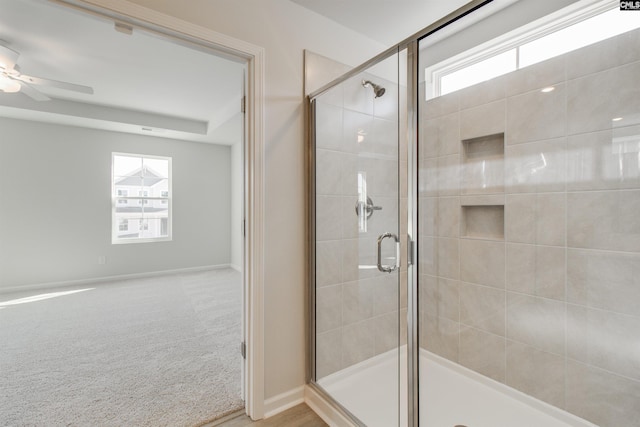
411, 46
311, 202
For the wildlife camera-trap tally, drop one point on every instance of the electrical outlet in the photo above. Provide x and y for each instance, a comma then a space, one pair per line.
102, 260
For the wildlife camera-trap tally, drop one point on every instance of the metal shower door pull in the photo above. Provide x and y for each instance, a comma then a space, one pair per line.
388, 268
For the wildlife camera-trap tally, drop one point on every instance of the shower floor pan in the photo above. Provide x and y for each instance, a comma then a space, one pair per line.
450, 395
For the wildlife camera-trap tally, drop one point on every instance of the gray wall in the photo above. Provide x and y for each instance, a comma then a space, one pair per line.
55, 205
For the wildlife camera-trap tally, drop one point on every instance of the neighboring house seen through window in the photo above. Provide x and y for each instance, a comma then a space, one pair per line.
141, 192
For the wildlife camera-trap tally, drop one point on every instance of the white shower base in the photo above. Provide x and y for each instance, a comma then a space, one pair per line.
450, 395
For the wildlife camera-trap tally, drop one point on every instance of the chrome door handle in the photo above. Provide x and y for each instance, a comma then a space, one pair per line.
388, 268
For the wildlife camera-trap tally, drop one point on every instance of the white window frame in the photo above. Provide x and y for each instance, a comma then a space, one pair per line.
144, 199
559, 20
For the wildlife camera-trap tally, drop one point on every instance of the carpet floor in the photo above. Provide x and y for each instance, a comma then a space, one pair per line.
160, 351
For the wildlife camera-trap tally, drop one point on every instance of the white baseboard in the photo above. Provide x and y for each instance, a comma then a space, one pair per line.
98, 280
326, 411
283, 401
236, 267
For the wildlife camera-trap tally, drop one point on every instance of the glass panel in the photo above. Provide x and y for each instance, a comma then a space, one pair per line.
155, 167
584, 33
164, 227
357, 310
126, 166
141, 189
158, 187
155, 205
480, 71
128, 226
130, 205
529, 190
152, 228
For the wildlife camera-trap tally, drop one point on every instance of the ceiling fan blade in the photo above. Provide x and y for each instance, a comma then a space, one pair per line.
54, 83
33, 93
8, 57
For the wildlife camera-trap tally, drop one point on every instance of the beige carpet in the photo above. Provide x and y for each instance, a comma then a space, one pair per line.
150, 352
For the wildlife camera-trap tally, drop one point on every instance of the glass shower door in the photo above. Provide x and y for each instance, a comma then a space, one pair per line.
356, 245
529, 247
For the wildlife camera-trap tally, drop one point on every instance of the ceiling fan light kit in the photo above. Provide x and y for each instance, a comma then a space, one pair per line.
8, 86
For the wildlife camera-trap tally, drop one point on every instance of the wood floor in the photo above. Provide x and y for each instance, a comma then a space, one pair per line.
298, 416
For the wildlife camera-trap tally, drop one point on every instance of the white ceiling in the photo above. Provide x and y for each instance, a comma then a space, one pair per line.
143, 81
386, 21
139, 80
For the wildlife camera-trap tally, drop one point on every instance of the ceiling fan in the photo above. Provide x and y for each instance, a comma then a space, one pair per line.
12, 80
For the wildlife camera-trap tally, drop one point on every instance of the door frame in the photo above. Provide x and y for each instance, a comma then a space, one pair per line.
253, 56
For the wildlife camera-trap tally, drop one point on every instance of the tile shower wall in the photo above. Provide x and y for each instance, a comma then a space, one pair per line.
530, 230
356, 305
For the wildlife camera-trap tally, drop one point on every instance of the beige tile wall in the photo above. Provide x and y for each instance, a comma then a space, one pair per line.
551, 307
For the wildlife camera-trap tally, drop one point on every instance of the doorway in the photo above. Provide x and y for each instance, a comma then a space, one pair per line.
96, 268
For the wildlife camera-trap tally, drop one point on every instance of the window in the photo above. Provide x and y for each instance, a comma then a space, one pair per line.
478, 72
543, 41
141, 192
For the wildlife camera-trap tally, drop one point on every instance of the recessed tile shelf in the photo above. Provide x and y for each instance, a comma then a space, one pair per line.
482, 207
483, 164
483, 222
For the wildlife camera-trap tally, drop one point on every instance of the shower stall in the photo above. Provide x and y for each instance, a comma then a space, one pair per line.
475, 223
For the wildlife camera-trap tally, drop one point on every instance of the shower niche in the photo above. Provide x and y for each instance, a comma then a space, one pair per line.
482, 189
483, 165
483, 221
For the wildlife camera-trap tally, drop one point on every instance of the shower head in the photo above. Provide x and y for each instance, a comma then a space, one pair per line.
377, 89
